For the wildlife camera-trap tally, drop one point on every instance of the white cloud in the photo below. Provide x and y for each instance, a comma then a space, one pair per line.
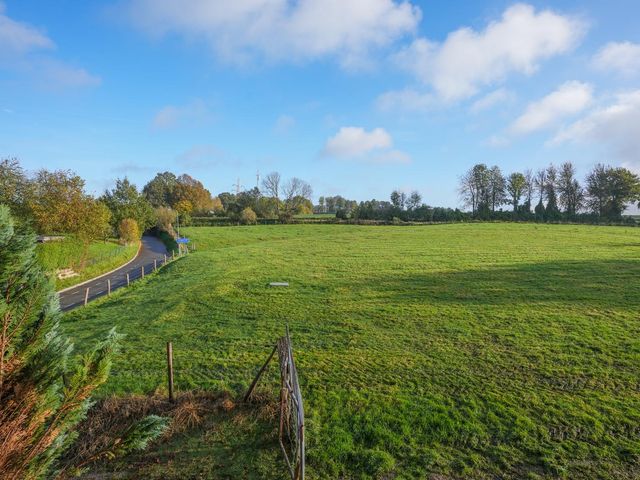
373, 146
20, 38
65, 75
407, 99
492, 99
623, 58
25, 49
356, 141
569, 99
171, 116
281, 30
616, 126
469, 60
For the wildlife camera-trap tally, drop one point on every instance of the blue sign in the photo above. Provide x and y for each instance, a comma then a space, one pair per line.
182, 240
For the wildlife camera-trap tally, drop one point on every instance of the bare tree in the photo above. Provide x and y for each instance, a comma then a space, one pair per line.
529, 188
468, 191
295, 192
271, 188
540, 182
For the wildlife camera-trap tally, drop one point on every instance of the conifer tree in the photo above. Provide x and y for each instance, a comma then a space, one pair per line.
44, 392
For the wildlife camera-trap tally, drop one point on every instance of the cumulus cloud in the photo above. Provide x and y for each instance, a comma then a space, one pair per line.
27, 50
469, 60
616, 126
569, 99
492, 99
281, 30
374, 146
171, 116
356, 141
623, 58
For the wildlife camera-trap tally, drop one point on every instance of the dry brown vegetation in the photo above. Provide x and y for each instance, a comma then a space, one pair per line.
109, 419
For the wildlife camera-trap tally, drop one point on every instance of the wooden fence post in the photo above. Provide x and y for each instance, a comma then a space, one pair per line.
108, 287
173, 254
86, 296
255, 380
170, 369
165, 259
128, 281
142, 271
155, 264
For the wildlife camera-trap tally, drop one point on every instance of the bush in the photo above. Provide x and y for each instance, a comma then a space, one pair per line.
128, 231
248, 217
285, 217
342, 214
165, 218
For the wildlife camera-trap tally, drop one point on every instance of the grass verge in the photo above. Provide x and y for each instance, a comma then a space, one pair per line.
102, 257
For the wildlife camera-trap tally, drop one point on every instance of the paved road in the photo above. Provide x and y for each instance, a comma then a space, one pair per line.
152, 249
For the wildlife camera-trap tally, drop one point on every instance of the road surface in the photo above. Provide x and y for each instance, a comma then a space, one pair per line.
152, 249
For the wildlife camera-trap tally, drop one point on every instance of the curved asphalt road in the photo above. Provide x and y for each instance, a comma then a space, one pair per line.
152, 249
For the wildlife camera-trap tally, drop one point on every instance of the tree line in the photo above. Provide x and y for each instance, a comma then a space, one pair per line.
557, 193
56, 202
401, 207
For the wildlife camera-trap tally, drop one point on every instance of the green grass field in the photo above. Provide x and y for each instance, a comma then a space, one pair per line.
477, 351
102, 257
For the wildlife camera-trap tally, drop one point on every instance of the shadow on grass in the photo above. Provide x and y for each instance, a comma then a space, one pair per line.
598, 283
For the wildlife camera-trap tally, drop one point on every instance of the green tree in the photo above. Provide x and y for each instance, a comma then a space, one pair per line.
497, 188
570, 193
515, 187
160, 191
57, 201
125, 201
14, 186
610, 190
398, 199
414, 201
189, 189
552, 212
44, 393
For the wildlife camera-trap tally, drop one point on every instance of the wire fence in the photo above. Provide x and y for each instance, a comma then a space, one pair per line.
82, 294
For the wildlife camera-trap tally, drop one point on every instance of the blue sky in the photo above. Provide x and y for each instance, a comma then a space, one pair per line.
358, 97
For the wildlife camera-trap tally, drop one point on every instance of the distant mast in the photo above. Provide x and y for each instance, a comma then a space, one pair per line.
237, 185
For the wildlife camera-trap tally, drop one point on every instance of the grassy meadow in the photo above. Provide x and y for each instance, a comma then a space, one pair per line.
102, 257
475, 351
